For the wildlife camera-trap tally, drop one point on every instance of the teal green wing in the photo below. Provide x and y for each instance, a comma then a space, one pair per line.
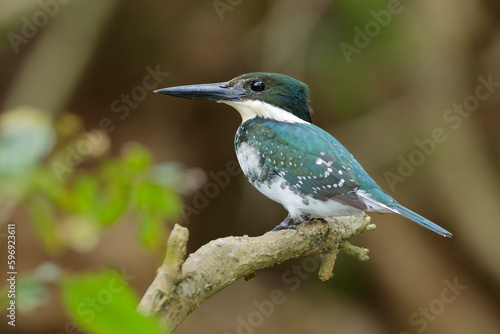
310, 160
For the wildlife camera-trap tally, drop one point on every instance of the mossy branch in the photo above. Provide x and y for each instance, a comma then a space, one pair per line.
180, 286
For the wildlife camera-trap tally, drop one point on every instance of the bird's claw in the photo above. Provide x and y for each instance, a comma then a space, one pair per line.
285, 224
285, 227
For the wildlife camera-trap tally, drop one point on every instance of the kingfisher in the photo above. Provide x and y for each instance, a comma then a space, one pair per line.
289, 159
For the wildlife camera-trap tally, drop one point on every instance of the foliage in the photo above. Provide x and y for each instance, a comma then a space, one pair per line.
104, 303
61, 176
72, 211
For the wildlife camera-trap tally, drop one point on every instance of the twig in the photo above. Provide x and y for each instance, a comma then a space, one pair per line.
179, 287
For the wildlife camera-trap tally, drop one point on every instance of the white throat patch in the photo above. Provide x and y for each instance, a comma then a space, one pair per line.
251, 108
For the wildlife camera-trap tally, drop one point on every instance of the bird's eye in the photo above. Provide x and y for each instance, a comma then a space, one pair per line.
257, 86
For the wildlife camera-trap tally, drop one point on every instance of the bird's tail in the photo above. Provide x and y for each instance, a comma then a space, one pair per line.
399, 209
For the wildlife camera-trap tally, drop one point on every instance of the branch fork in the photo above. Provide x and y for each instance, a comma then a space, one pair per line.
180, 286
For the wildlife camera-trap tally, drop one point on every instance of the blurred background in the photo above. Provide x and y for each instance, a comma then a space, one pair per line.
95, 169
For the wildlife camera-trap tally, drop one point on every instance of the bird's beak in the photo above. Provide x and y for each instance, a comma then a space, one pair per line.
208, 92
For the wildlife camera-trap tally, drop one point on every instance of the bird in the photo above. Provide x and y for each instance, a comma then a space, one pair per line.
288, 158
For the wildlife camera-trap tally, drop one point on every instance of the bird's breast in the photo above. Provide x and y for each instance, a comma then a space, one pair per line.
249, 158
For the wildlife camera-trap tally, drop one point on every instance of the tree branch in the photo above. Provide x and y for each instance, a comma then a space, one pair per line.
180, 287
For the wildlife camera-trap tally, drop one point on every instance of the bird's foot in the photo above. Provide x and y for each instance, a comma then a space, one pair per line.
285, 224
307, 216
288, 224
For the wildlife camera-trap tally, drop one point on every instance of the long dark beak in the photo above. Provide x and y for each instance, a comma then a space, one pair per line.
208, 92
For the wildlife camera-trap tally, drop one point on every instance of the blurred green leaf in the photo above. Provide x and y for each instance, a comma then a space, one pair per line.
70, 208
136, 157
45, 224
149, 197
151, 229
114, 206
157, 199
155, 204
46, 183
87, 194
104, 303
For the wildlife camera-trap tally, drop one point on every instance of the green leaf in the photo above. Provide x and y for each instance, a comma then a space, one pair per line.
151, 229
155, 204
136, 157
104, 303
157, 199
46, 183
115, 205
87, 194
46, 226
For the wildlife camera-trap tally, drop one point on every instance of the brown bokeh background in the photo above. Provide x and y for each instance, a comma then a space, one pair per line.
390, 93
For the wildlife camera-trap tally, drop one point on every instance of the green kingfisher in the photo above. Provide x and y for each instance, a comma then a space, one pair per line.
289, 159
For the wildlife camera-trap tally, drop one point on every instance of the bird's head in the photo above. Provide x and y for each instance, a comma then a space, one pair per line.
267, 95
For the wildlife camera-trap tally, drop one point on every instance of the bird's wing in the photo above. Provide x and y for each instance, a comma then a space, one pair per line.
310, 159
